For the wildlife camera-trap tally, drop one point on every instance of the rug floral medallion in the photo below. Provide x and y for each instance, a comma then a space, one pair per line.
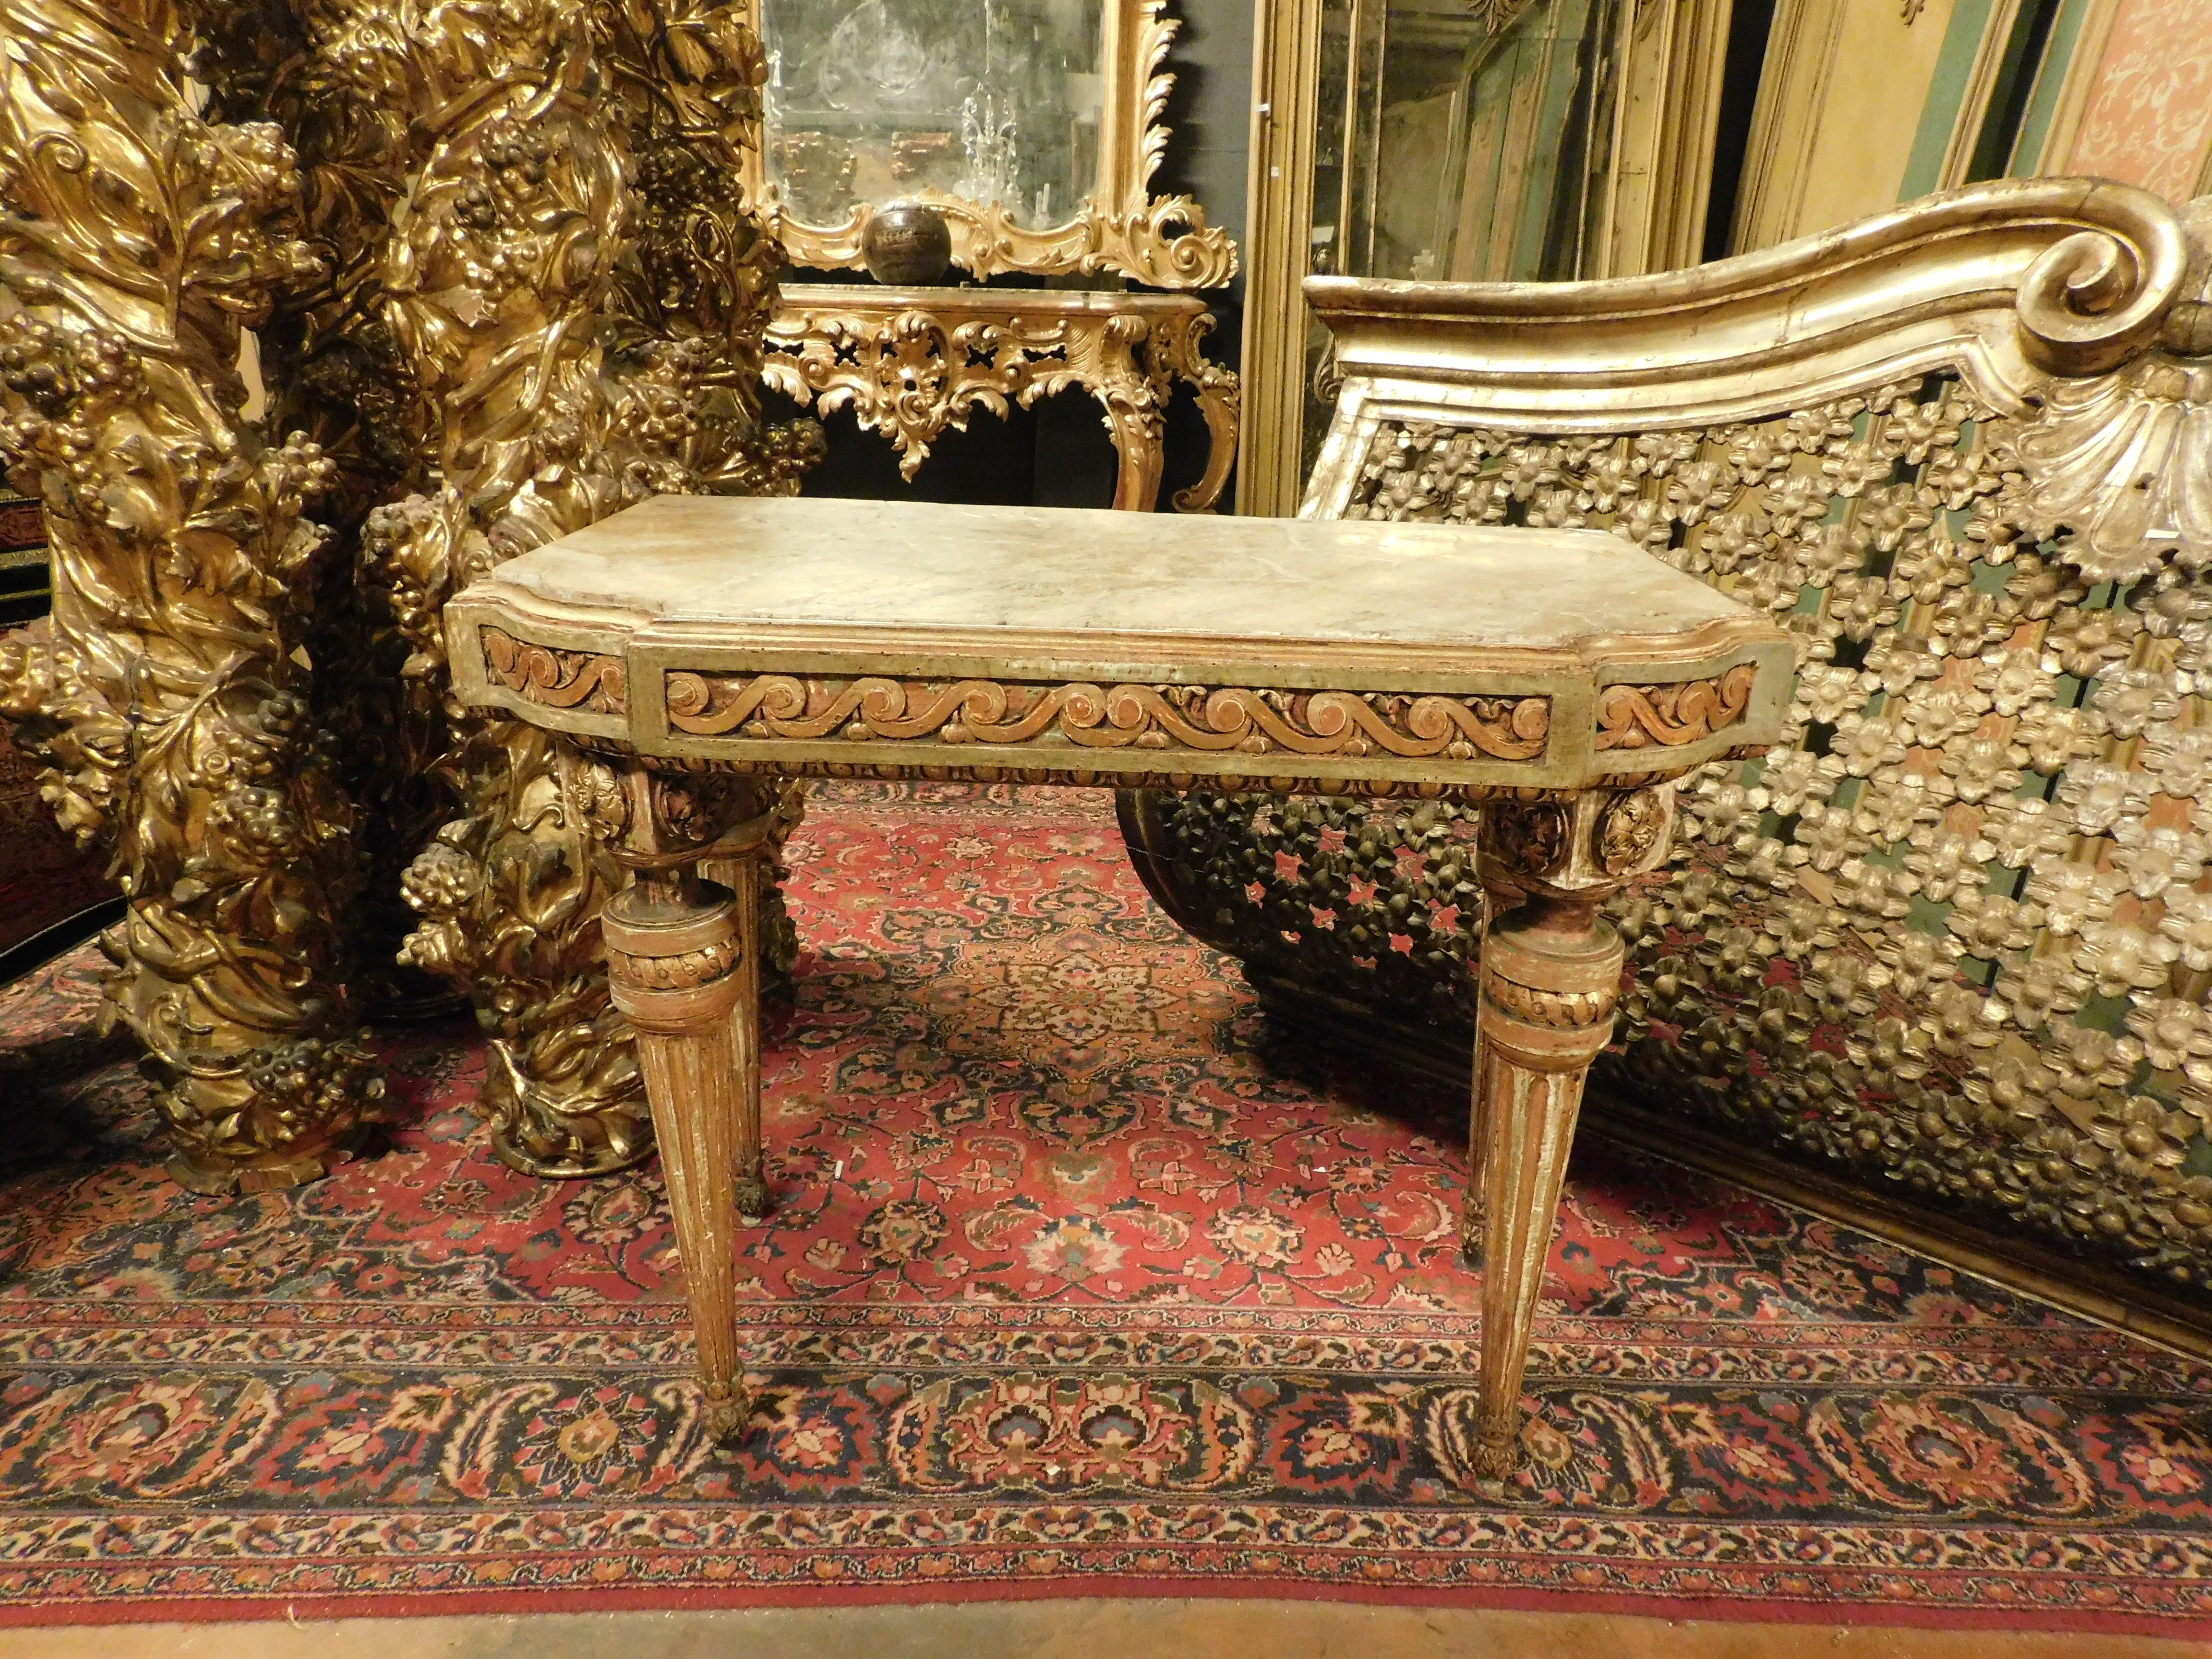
1081, 1280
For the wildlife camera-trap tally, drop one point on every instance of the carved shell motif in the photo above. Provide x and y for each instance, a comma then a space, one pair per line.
2125, 463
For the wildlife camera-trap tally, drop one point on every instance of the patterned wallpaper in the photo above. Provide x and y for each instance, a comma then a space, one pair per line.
2149, 116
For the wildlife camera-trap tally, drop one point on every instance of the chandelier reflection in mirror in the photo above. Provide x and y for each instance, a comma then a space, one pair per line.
872, 101
1031, 125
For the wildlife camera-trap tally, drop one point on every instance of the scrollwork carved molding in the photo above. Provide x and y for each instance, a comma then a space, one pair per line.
1166, 718
1668, 716
2004, 284
556, 680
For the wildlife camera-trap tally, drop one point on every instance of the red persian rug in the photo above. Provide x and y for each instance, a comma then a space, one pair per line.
1081, 1281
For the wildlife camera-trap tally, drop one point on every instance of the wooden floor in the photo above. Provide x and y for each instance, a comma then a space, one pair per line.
1067, 1630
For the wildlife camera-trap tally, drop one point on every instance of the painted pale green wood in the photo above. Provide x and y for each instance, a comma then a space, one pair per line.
2027, 157
1947, 91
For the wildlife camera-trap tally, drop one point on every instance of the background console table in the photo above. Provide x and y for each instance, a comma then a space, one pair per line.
912, 361
693, 652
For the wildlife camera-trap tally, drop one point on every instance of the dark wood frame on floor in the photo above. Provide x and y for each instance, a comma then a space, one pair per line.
43, 946
2084, 1288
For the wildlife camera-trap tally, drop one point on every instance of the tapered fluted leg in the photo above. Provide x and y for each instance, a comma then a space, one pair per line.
1474, 1204
1551, 975
679, 968
742, 875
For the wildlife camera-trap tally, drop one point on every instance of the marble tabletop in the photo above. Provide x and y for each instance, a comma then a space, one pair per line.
869, 637
716, 566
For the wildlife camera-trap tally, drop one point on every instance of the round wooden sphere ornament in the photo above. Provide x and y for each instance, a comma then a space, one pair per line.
906, 244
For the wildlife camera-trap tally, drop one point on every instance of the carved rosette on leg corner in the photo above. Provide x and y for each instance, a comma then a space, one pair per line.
1550, 980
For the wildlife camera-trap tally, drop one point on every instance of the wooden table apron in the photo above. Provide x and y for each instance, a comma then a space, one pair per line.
679, 733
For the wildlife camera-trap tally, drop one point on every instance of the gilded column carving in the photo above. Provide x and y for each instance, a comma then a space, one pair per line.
580, 302
169, 694
329, 367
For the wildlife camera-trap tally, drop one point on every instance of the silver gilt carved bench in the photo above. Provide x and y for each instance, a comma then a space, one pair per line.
1951, 939
693, 652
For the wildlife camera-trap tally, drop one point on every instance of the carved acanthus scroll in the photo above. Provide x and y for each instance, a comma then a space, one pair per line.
2119, 467
1165, 717
916, 364
556, 680
1669, 716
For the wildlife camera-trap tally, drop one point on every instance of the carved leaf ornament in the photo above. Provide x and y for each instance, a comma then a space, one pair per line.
510, 253
1121, 716
167, 695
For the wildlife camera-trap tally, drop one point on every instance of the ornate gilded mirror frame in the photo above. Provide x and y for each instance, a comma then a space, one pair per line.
1120, 227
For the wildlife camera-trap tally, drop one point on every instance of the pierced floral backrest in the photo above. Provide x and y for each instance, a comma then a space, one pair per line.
1958, 935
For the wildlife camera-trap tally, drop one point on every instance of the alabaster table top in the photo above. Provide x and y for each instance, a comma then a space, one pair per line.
874, 638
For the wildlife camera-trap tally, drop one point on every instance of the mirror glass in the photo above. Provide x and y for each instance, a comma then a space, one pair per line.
994, 102
1460, 141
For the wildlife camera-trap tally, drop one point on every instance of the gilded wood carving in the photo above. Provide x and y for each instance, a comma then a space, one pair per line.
170, 696
1161, 717
915, 363
1667, 716
501, 287
573, 288
1956, 935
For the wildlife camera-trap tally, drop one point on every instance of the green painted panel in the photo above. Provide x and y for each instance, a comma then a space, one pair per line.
1947, 92
2027, 158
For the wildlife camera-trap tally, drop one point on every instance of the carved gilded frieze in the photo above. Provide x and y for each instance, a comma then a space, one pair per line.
1164, 717
915, 363
1957, 934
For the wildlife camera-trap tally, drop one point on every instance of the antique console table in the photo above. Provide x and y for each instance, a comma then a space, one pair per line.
913, 361
692, 652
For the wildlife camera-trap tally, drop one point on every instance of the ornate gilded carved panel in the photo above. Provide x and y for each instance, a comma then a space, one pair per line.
1958, 935
500, 286
917, 363
168, 695
577, 294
